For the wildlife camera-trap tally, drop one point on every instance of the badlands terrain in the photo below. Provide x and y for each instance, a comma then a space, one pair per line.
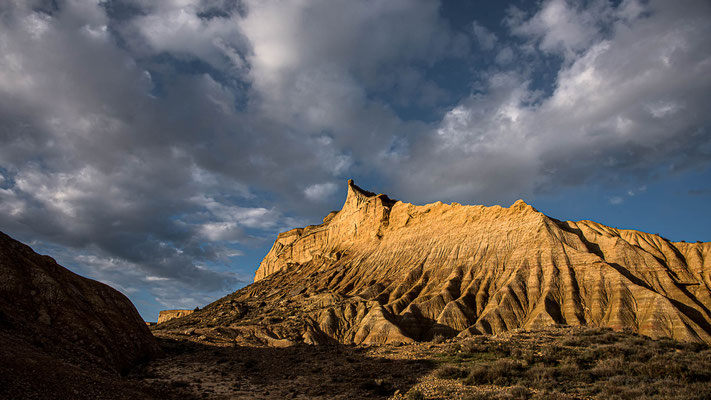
381, 271
385, 299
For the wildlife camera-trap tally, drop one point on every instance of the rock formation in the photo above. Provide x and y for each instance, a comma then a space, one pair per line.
167, 315
51, 311
383, 271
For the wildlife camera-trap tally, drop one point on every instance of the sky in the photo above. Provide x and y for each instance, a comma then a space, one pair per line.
160, 146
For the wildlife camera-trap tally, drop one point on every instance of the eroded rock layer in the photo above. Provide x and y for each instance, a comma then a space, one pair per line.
383, 271
167, 315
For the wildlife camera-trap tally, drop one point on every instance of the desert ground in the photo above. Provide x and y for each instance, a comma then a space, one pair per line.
556, 363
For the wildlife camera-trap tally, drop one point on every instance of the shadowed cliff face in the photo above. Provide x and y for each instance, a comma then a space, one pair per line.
58, 314
383, 271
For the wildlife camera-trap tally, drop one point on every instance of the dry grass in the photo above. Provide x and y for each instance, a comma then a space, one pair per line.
586, 363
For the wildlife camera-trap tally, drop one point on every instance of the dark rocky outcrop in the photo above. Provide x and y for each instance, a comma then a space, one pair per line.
66, 317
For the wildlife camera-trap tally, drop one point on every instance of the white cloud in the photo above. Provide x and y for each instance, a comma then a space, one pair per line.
630, 10
636, 191
156, 278
616, 200
61, 192
313, 61
661, 109
614, 110
228, 217
178, 28
565, 26
320, 191
11, 204
37, 24
221, 231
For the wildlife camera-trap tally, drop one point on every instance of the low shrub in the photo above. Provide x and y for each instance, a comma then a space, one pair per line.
519, 392
587, 363
501, 372
451, 372
414, 394
609, 367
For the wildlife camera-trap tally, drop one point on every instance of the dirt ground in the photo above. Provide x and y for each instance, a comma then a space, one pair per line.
219, 371
567, 363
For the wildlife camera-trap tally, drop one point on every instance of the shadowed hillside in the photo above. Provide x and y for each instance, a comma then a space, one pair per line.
63, 336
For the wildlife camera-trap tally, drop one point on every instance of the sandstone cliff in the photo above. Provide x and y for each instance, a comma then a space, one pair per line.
167, 315
64, 316
383, 271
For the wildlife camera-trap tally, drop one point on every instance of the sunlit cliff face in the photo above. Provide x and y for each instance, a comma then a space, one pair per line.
382, 271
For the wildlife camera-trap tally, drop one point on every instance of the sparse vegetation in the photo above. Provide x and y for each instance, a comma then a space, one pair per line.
451, 372
556, 363
585, 363
415, 394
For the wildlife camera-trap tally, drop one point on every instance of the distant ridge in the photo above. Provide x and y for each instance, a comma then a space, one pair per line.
167, 315
383, 271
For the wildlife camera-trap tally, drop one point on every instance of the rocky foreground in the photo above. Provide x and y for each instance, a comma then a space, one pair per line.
381, 271
553, 363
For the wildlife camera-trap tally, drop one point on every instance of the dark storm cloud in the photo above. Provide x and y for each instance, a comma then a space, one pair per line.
94, 161
137, 141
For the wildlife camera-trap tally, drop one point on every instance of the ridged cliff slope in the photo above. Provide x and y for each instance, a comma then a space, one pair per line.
383, 271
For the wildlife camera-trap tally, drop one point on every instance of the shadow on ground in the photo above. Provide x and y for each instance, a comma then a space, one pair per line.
31, 369
301, 371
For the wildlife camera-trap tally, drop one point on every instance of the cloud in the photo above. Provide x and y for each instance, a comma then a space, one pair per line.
564, 26
319, 191
136, 133
190, 29
249, 217
158, 142
505, 56
624, 105
616, 200
484, 37
85, 163
317, 65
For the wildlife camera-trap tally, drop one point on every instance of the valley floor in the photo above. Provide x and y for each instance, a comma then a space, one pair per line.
560, 363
